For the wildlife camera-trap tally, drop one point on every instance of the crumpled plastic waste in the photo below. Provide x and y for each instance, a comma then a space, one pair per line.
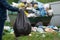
31, 15
34, 29
41, 9
41, 26
14, 4
11, 31
46, 6
49, 30
53, 27
40, 30
6, 28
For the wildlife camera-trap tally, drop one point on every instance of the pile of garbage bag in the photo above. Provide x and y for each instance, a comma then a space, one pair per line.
42, 29
45, 29
34, 8
39, 28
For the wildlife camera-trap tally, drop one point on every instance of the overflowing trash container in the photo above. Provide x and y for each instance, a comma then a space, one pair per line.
35, 12
34, 20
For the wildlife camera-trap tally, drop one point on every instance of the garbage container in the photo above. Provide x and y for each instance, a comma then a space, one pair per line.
44, 19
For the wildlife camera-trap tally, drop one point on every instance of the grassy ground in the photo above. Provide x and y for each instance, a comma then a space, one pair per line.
35, 36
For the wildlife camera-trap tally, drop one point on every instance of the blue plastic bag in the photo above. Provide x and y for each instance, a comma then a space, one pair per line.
41, 9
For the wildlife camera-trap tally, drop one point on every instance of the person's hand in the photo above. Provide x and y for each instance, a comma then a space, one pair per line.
19, 10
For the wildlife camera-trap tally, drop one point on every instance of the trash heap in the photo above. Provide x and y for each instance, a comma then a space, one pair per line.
43, 29
33, 8
38, 28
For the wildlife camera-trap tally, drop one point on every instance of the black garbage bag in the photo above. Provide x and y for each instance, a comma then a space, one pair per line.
22, 25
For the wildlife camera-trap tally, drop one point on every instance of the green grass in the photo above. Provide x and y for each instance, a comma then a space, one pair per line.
35, 36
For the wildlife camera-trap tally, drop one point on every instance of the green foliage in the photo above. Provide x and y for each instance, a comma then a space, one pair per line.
10, 1
46, 1
7, 24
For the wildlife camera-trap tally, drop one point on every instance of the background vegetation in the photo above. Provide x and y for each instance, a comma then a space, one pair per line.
44, 1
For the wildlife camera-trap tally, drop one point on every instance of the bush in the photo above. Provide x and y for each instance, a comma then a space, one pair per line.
10, 1
7, 23
46, 1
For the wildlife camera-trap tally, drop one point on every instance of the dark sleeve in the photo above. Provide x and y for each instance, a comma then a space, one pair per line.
7, 6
